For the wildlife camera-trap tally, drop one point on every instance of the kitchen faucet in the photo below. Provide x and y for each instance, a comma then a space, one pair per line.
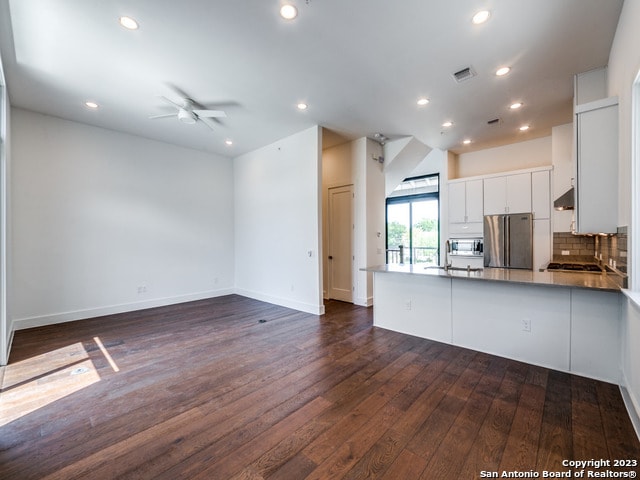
447, 264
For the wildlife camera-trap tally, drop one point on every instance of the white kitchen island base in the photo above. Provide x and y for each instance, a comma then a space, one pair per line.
569, 329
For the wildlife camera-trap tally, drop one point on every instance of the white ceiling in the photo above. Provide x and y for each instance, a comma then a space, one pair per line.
359, 64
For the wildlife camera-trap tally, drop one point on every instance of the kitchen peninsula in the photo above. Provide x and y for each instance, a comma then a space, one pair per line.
564, 321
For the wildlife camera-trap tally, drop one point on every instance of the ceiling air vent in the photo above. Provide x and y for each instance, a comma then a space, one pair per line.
464, 74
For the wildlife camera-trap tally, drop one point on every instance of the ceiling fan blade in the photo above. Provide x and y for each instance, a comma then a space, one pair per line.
210, 113
164, 115
172, 102
208, 123
179, 93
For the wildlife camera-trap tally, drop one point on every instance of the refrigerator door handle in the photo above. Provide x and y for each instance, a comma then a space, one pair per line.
507, 241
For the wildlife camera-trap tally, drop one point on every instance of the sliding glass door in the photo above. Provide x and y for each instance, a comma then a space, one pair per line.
413, 234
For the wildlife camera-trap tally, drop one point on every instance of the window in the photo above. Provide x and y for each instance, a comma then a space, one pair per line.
634, 237
413, 222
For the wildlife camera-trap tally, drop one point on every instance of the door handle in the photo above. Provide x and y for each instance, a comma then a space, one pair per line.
330, 257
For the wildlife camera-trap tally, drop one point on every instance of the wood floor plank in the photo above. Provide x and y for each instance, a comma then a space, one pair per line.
206, 390
461, 437
521, 450
556, 443
427, 440
406, 465
486, 451
621, 440
586, 420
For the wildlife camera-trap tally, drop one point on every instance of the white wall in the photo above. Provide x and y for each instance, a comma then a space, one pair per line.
99, 215
374, 243
277, 198
516, 156
363, 291
624, 65
6, 324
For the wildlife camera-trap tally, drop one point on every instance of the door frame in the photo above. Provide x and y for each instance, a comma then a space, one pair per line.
329, 226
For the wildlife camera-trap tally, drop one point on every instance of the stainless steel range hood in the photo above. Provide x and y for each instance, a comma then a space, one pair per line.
566, 201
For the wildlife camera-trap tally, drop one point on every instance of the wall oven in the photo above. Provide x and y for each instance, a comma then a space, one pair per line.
467, 247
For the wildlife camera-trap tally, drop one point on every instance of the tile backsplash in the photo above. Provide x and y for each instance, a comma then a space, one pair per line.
581, 248
612, 250
606, 249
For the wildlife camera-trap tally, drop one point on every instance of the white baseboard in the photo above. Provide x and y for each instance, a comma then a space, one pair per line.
283, 302
11, 330
50, 319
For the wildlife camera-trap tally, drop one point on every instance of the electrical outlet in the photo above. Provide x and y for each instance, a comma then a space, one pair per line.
142, 289
526, 325
566, 252
407, 304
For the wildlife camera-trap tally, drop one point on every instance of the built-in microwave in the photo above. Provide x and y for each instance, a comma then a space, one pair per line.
466, 246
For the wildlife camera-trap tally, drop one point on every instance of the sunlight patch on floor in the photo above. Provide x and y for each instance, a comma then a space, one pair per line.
38, 381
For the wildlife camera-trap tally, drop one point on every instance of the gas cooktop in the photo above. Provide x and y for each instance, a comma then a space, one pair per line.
574, 267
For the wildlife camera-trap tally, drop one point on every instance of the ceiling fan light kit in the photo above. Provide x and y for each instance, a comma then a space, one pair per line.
186, 116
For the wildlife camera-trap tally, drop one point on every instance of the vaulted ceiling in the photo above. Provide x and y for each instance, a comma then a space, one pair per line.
359, 65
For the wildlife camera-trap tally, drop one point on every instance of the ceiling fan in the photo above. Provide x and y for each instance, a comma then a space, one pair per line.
190, 111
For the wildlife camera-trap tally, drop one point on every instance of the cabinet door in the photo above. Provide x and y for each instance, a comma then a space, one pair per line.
540, 195
474, 201
541, 243
495, 195
597, 170
519, 193
457, 211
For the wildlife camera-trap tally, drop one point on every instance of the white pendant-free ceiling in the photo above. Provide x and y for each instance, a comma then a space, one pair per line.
360, 66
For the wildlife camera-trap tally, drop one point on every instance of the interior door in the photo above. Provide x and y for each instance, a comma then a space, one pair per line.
340, 256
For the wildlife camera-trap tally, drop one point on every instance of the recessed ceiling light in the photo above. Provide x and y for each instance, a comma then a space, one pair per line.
288, 11
466, 141
302, 106
128, 23
502, 71
90, 104
423, 101
515, 106
228, 142
524, 128
447, 124
481, 17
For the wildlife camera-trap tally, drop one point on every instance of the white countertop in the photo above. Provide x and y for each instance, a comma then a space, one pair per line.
595, 281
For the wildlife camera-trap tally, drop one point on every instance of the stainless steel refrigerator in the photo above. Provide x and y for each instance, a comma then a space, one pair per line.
508, 241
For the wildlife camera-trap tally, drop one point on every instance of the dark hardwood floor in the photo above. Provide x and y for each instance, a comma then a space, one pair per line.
206, 390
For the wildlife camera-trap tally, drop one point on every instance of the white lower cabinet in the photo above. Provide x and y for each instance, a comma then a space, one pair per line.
413, 304
595, 334
567, 329
493, 318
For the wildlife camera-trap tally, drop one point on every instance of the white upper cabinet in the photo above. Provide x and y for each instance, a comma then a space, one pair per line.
540, 195
457, 202
542, 243
465, 201
507, 194
475, 209
596, 126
